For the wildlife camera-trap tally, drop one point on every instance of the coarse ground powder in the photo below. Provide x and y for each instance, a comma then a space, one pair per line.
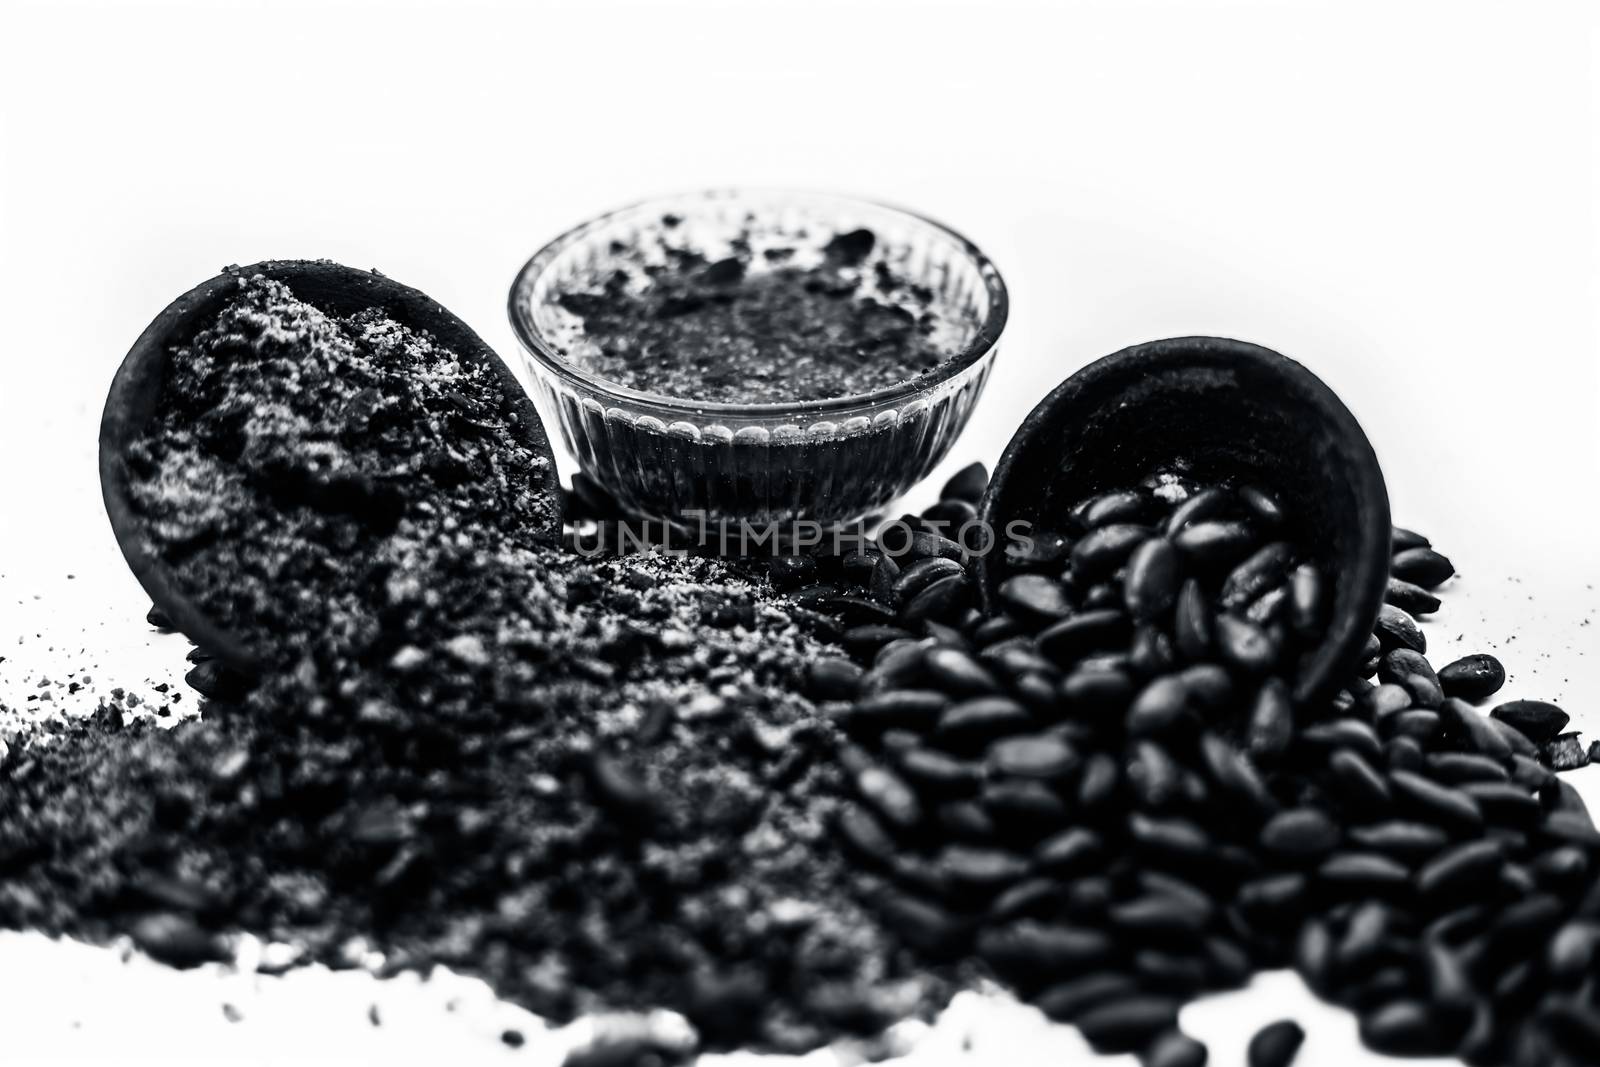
590, 781
762, 325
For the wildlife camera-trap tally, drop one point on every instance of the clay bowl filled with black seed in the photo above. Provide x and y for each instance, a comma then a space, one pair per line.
400, 322
1209, 411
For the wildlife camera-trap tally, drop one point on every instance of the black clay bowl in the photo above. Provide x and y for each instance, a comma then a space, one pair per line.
136, 394
1219, 410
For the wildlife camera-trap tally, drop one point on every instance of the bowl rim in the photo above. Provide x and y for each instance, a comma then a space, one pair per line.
534, 343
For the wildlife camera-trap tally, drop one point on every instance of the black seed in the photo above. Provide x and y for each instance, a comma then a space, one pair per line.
1276, 1044
1386, 699
1367, 935
1573, 951
1202, 505
1398, 664
1530, 773
158, 618
1407, 1028
1163, 915
1068, 851
1402, 754
966, 484
1151, 582
1460, 767
1418, 723
1314, 956
865, 640
1358, 783
832, 678
976, 722
966, 819
1261, 506
958, 673
1268, 608
939, 772
1028, 952
890, 798
864, 835
1234, 773
1401, 539
1191, 630
854, 611
1448, 985
1271, 728
943, 599
213, 680
1425, 692
1023, 808
1036, 691
1174, 1049
1245, 645
928, 545
1066, 1001
1151, 652
1345, 733
1409, 598
1519, 742
985, 870
1367, 872
1396, 629
1127, 1024
1073, 638
1300, 833
1035, 596
1266, 567
792, 572
1099, 782
1153, 775
1209, 686
1409, 841
926, 927
1422, 566
916, 577
1121, 506
1213, 545
1447, 807
1230, 964
1169, 838
176, 940
1273, 897
1459, 868
1534, 719
1503, 801
1170, 972
913, 708
1477, 732
1159, 706
1305, 600
1034, 898
1043, 756
1102, 551
1096, 689
882, 583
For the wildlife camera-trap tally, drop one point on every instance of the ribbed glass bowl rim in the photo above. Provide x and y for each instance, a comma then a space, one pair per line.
983, 341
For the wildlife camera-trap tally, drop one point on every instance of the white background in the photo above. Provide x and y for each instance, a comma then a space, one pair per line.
1401, 195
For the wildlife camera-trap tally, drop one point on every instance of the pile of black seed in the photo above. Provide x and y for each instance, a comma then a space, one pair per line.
778, 324
1104, 792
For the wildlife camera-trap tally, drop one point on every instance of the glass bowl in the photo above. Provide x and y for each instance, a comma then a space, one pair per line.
828, 461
